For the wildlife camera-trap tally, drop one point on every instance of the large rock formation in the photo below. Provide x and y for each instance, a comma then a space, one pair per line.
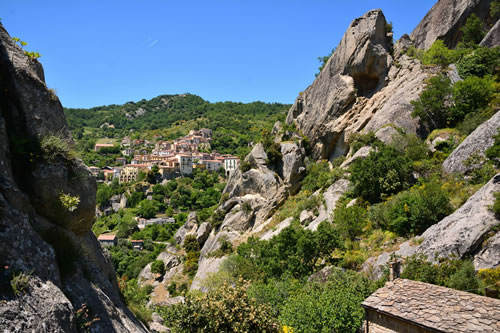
360, 89
358, 67
445, 19
51, 264
458, 235
475, 144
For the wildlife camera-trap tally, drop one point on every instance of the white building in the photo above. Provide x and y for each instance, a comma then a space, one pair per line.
231, 163
185, 163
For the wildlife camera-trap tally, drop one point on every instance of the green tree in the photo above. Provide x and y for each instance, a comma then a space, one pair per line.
158, 267
147, 208
331, 307
472, 31
383, 172
470, 95
433, 103
226, 309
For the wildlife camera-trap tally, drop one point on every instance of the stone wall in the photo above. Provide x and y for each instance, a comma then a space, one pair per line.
377, 322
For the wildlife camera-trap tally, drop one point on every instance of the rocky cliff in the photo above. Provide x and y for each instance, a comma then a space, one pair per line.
445, 19
54, 276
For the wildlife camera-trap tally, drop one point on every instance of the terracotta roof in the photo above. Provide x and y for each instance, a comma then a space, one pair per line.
106, 237
437, 308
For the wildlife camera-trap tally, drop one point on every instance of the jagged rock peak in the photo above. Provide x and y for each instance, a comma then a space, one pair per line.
357, 68
444, 20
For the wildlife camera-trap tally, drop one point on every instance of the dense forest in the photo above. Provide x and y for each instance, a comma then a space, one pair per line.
234, 125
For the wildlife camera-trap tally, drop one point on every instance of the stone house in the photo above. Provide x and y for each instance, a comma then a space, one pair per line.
108, 240
137, 244
417, 307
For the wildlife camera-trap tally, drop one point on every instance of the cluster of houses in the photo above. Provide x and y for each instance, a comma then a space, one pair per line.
173, 158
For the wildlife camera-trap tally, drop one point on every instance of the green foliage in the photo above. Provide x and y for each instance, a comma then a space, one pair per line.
192, 248
493, 152
148, 208
382, 173
320, 176
323, 60
495, 10
69, 202
413, 52
136, 298
433, 102
272, 149
358, 140
158, 267
496, 204
129, 262
439, 54
275, 293
20, 282
334, 306
234, 125
245, 166
350, 221
56, 146
482, 61
294, 251
226, 309
412, 212
451, 273
472, 31
470, 95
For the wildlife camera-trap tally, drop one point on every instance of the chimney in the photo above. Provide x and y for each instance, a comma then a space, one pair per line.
394, 270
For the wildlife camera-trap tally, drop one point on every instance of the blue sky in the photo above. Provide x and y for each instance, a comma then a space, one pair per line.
110, 52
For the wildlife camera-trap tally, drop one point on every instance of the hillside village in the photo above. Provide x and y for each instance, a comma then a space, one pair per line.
174, 158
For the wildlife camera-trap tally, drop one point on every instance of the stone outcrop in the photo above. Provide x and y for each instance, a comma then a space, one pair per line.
190, 227
358, 67
334, 106
331, 196
444, 21
476, 143
489, 255
48, 241
492, 38
457, 235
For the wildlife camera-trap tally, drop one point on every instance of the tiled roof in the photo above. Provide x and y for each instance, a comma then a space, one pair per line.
106, 237
438, 308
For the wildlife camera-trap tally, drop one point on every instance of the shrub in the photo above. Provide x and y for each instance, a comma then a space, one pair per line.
383, 172
68, 201
358, 140
225, 309
191, 244
20, 282
331, 307
273, 149
412, 212
350, 221
470, 95
319, 176
148, 208
452, 273
433, 103
490, 277
472, 31
56, 146
482, 61
245, 166
439, 54
158, 267
493, 152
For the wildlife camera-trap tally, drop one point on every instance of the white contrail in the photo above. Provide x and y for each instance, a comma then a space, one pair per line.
153, 43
